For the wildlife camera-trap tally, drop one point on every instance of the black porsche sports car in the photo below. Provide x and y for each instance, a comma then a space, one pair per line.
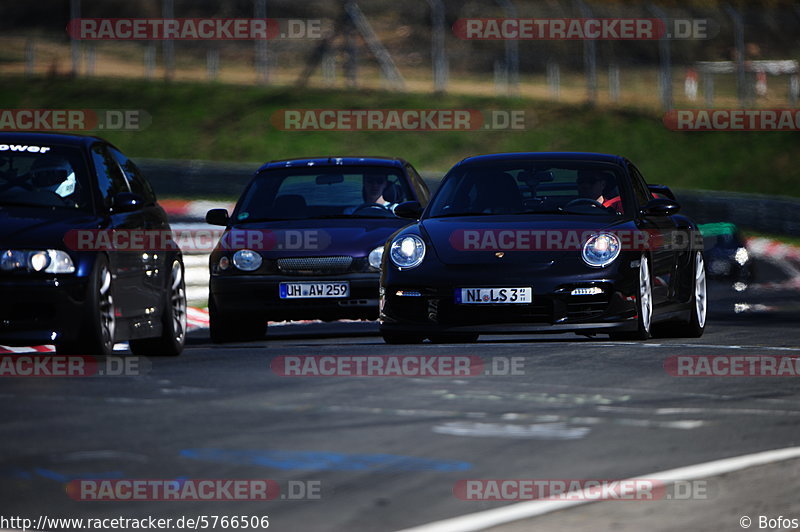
67, 202
544, 242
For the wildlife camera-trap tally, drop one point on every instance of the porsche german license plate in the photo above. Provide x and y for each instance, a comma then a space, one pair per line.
478, 296
305, 290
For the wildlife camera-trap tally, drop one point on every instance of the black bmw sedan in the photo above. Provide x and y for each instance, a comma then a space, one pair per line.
544, 242
305, 241
75, 267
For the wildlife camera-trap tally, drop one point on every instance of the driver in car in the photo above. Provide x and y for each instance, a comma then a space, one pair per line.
372, 189
55, 175
593, 184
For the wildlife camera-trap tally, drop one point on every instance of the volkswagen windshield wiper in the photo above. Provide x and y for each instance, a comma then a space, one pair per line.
256, 220
334, 216
455, 214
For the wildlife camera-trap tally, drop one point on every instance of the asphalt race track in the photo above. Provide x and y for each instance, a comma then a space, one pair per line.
385, 453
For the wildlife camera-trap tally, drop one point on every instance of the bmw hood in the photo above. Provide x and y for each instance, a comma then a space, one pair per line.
535, 239
36, 227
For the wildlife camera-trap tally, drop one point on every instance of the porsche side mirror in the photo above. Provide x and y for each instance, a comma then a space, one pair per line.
660, 207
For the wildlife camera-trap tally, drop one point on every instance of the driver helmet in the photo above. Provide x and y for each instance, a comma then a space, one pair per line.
55, 175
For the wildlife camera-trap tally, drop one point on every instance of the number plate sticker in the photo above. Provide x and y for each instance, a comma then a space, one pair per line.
494, 296
307, 290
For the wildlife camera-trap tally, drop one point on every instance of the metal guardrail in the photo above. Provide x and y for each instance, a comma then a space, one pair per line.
779, 215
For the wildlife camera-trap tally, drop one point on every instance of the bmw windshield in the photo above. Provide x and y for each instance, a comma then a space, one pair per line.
323, 192
531, 187
44, 176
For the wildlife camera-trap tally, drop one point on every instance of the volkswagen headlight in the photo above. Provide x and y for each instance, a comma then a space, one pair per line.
601, 249
247, 260
407, 251
375, 257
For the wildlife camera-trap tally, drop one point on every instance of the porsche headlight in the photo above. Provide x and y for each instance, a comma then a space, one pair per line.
247, 260
601, 249
407, 251
40, 260
375, 257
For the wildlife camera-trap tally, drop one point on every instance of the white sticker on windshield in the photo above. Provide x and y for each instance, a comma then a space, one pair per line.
23, 147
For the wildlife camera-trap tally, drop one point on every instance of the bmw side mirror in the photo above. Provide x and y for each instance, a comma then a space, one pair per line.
660, 207
409, 209
126, 202
217, 217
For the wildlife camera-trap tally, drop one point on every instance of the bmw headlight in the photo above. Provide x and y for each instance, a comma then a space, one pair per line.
375, 257
407, 251
247, 260
601, 249
40, 260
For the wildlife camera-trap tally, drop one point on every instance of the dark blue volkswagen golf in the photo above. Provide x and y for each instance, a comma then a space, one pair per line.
59, 284
305, 241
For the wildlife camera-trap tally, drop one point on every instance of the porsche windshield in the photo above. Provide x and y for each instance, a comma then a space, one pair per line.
44, 176
531, 187
324, 192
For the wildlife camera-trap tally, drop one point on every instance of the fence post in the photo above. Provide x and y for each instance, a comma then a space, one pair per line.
168, 45
150, 60
613, 82
212, 63
262, 54
329, 68
708, 89
91, 58
438, 54
512, 52
30, 56
500, 78
741, 78
75, 47
665, 61
589, 57
554, 79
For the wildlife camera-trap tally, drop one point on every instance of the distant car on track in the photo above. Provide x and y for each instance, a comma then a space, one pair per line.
305, 241
544, 242
726, 253
82, 299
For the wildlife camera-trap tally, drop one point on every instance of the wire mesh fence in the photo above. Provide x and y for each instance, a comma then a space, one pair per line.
717, 55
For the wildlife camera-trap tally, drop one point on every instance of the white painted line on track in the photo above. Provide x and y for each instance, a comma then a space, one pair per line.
525, 510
